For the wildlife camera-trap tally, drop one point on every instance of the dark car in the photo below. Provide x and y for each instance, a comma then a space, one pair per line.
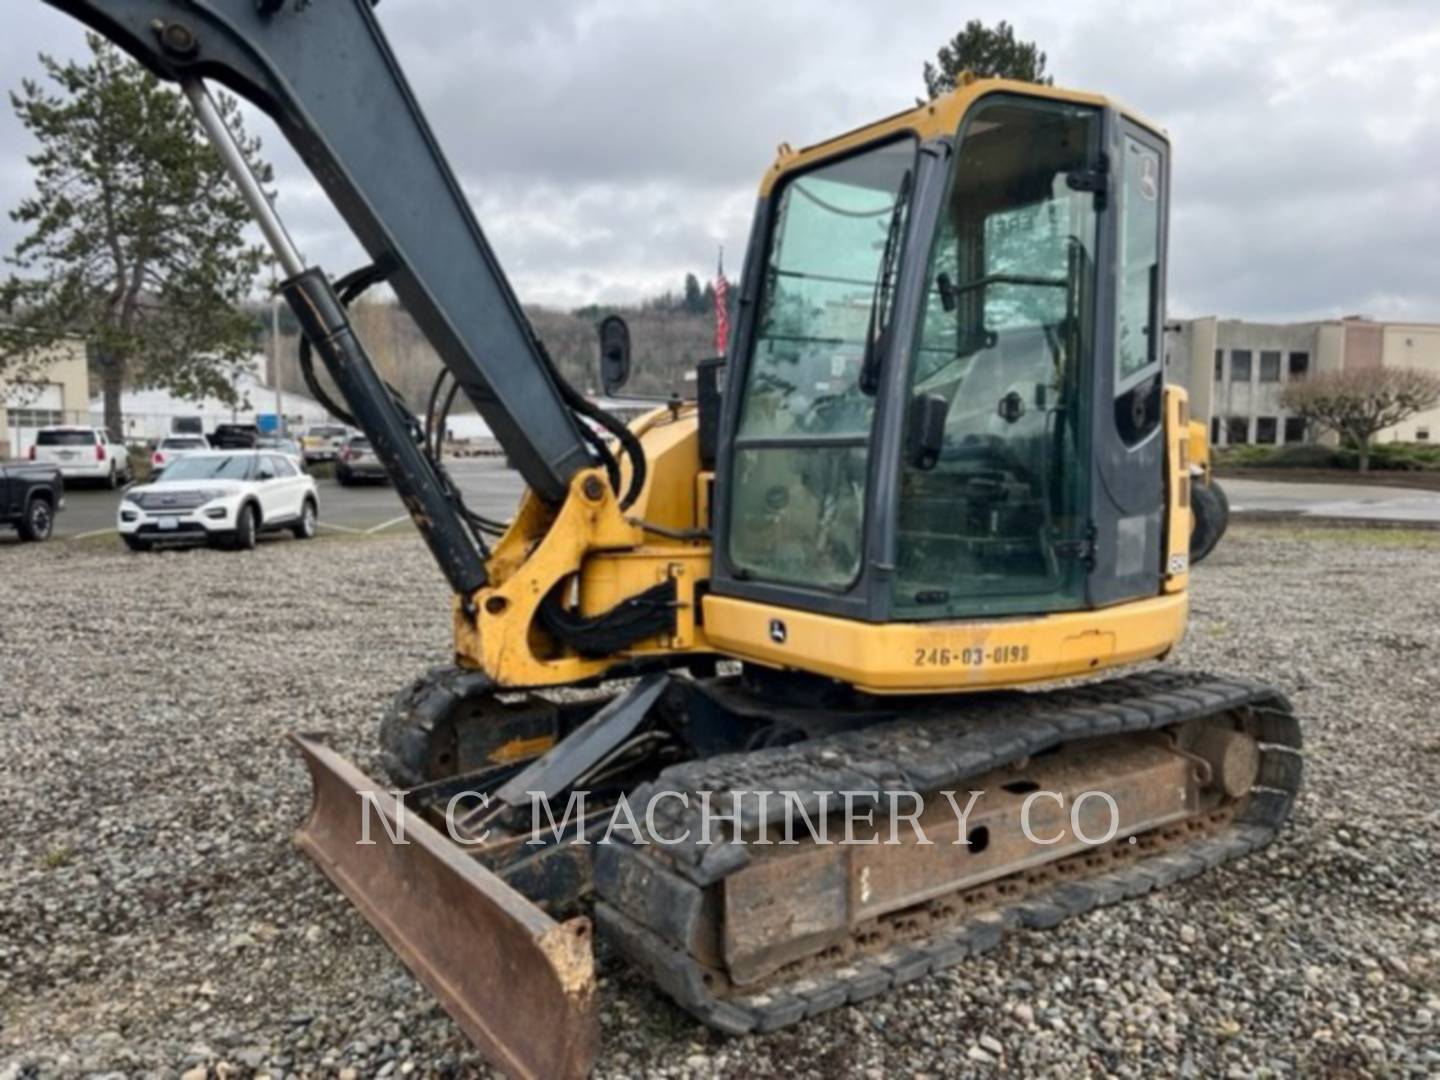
30, 497
235, 437
357, 462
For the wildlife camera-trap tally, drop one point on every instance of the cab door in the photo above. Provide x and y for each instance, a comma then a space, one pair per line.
991, 514
1128, 490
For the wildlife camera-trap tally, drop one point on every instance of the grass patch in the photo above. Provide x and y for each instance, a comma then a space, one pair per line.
1384, 457
57, 857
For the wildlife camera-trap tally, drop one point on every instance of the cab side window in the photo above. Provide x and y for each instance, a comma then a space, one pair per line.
1137, 328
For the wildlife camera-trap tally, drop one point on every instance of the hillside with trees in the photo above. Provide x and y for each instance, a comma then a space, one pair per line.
669, 334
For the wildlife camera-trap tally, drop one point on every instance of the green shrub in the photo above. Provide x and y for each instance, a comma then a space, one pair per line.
1307, 456
1245, 455
1408, 456
1384, 457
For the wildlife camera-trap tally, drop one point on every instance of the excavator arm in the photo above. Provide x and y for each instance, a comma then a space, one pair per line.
325, 73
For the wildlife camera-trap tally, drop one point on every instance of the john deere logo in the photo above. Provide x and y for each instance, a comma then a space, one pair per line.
777, 631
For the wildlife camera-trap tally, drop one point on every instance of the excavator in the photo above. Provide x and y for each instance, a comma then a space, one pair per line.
899, 564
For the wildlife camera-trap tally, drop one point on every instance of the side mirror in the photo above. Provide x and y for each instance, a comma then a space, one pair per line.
927, 430
614, 354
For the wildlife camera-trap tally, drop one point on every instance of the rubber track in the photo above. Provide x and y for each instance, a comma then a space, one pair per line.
415, 715
650, 898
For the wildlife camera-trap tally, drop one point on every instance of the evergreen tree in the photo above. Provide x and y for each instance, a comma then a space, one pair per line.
136, 237
985, 53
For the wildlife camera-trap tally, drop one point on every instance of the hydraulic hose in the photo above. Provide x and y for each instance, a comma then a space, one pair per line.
431, 433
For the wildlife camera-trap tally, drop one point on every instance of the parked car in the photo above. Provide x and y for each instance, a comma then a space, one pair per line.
323, 442
83, 453
291, 448
221, 497
235, 437
173, 448
357, 462
30, 497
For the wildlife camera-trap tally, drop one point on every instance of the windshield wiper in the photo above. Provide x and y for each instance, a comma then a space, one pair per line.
876, 332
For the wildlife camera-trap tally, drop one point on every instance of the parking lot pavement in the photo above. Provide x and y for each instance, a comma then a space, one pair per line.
494, 490
1359, 502
489, 487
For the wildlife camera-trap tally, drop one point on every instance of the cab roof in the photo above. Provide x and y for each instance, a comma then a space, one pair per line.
935, 119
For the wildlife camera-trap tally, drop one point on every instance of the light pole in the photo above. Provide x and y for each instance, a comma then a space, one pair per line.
275, 301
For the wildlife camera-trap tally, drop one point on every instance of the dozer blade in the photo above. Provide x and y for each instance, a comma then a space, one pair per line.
519, 984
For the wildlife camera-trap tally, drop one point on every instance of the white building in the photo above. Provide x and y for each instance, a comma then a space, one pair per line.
151, 414
57, 392
1236, 371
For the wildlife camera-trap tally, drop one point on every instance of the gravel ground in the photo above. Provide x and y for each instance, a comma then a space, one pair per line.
154, 918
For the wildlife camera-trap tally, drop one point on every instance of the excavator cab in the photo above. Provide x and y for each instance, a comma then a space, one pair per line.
945, 400
944, 466
949, 365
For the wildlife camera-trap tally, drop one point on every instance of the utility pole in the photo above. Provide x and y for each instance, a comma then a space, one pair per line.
281, 427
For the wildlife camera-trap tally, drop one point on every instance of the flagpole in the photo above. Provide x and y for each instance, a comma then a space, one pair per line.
722, 305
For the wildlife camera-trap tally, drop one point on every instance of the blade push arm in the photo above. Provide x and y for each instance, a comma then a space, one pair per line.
323, 70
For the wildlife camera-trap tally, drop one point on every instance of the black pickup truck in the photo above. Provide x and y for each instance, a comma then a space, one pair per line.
235, 437
30, 497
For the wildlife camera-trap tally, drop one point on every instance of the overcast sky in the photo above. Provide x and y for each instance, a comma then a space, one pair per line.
609, 146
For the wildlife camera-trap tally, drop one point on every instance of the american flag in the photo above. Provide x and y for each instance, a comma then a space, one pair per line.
722, 308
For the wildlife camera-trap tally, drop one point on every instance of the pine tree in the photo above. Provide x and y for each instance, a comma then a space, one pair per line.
136, 236
985, 53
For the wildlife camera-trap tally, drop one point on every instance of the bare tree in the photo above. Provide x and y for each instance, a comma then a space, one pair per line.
1359, 404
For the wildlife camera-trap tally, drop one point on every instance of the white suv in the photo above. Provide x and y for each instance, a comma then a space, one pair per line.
229, 495
82, 453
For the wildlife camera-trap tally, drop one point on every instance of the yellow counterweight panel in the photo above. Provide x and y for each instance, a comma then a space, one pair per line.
903, 658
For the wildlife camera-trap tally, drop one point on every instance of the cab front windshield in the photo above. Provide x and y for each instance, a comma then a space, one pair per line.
802, 449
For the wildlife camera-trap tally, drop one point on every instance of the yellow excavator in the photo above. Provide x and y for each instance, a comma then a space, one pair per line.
749, 686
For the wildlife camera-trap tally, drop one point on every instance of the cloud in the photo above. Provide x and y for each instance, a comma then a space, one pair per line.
609, 146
